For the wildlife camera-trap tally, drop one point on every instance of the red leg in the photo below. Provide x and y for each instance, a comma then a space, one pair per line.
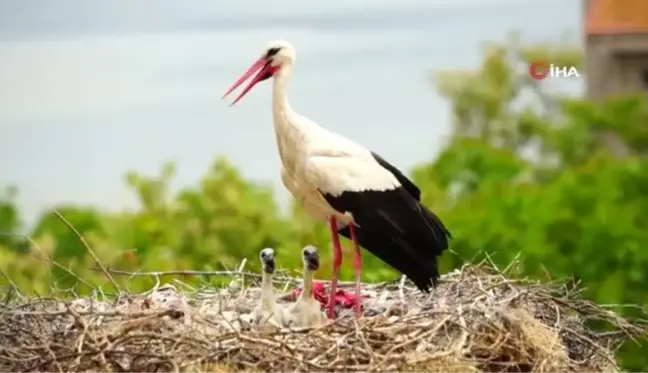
357, 266
337, 262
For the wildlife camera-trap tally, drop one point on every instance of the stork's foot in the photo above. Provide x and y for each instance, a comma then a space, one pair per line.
359, 319
330, 312
358, 303
358, 311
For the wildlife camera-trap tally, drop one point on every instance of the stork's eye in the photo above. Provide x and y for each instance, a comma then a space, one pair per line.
272, 52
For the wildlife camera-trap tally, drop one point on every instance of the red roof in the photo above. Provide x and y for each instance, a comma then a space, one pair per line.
617, 17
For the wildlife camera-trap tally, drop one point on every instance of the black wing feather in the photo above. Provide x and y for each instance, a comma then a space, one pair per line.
409, 186
395, 227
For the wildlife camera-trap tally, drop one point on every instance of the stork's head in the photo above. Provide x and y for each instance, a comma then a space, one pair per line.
277, 54
267, 260
310, 258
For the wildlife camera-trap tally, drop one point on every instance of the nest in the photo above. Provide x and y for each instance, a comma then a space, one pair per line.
477, 320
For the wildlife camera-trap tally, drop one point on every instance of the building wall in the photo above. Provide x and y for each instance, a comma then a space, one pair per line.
616, 64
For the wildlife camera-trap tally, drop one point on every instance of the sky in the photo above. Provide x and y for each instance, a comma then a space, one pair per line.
89, 89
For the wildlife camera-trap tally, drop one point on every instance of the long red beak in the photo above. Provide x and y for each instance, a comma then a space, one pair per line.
265, 70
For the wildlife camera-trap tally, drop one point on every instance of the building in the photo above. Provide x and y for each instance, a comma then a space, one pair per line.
616, 47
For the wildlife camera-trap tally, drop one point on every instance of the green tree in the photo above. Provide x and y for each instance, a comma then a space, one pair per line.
530, 172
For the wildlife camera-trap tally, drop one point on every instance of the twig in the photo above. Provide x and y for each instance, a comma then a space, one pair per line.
239, 270
51, 260
401, 290
13, 287
89, 249
276, 279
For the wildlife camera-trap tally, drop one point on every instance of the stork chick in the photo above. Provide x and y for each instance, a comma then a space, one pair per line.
306, 311
268, 312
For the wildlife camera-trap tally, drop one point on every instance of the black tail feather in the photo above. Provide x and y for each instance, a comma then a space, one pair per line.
399, 230
380, 243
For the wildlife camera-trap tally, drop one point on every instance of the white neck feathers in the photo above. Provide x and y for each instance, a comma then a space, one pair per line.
267, 291
307, 291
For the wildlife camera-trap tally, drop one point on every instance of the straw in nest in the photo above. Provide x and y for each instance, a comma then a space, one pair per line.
477, 320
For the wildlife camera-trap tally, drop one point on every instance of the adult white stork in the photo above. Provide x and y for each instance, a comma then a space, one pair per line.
363, 197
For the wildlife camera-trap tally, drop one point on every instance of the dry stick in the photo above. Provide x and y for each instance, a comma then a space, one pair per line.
492, 263
9, 280
212, 273
132, 315
187, 273
13, 286
49, 258
401, 292
513, 263
239, 270
361, 337
87, 246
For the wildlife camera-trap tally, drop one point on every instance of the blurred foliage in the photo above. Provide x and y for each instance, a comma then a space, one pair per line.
527, 172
